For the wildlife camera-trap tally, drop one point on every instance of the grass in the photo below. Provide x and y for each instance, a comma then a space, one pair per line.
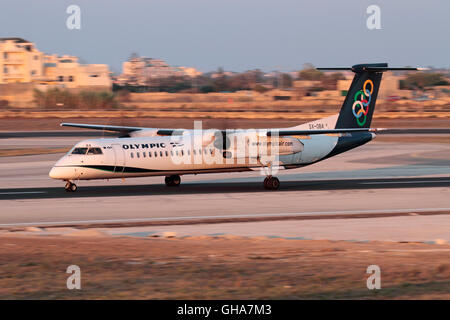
212, 268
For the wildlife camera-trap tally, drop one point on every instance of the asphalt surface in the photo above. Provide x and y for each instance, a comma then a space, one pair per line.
376, 179
221, 188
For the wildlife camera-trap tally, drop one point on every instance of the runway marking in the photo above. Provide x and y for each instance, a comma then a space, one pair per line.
400, 182
294, 214
23, 192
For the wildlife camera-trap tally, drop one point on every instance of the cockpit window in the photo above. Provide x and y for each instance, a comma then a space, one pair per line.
79, 151
87, 151
94, 151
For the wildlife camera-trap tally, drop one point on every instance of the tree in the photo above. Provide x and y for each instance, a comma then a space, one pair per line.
260, 89
133, 55
420, 80
330, 81
309, 72
286, 80
123, 95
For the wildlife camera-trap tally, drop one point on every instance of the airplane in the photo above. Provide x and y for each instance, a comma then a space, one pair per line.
141, 152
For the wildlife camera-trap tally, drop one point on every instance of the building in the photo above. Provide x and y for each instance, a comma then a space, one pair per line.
66, 72
142, 70
20, 61
190, 72
24, 68
306, 83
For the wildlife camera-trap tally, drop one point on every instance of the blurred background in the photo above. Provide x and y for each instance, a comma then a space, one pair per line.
215, 60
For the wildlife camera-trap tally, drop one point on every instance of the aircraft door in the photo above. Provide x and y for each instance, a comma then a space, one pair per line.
119, 158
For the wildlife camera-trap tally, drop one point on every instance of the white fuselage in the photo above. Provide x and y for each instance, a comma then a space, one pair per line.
163, 156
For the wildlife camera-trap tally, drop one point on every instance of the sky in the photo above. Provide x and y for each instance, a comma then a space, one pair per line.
237, 35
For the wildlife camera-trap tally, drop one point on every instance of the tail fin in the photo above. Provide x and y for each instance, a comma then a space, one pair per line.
359, 104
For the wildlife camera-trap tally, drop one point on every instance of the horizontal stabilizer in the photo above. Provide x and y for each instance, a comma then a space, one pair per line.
373, 67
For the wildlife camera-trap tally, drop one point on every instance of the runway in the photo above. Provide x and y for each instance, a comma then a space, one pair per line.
193, 188
378, 178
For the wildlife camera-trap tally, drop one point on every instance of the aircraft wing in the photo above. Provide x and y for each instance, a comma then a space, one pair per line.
169, 132
123, 129
102, 127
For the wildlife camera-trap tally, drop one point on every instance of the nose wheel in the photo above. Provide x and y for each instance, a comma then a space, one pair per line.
271, 183
70, 187
172, 181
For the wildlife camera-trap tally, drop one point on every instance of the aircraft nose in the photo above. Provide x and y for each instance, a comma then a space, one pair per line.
56, 173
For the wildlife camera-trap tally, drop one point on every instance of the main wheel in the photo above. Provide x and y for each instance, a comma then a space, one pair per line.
274, 183
266, 183
172, 181
271, 183
176, 180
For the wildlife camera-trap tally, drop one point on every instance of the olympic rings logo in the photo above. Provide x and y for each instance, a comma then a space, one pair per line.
362, 102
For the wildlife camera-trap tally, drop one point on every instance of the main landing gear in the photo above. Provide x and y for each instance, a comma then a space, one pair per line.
172, 181
271, 183
70, 187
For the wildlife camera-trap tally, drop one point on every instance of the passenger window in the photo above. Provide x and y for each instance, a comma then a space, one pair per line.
189, 152
182, 152
132, 155
149, 154
144, 154
79, 151
160, 153
156, 154
176, 152
167, 154
137, 154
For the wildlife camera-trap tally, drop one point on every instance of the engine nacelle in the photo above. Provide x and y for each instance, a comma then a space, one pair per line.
281, 146
246, 144
151, 132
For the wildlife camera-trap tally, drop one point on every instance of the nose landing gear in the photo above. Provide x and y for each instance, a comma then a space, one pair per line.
70, 187
271, 183
172, 181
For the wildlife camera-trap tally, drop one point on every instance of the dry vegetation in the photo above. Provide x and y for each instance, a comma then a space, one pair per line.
237, 105
217, 268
